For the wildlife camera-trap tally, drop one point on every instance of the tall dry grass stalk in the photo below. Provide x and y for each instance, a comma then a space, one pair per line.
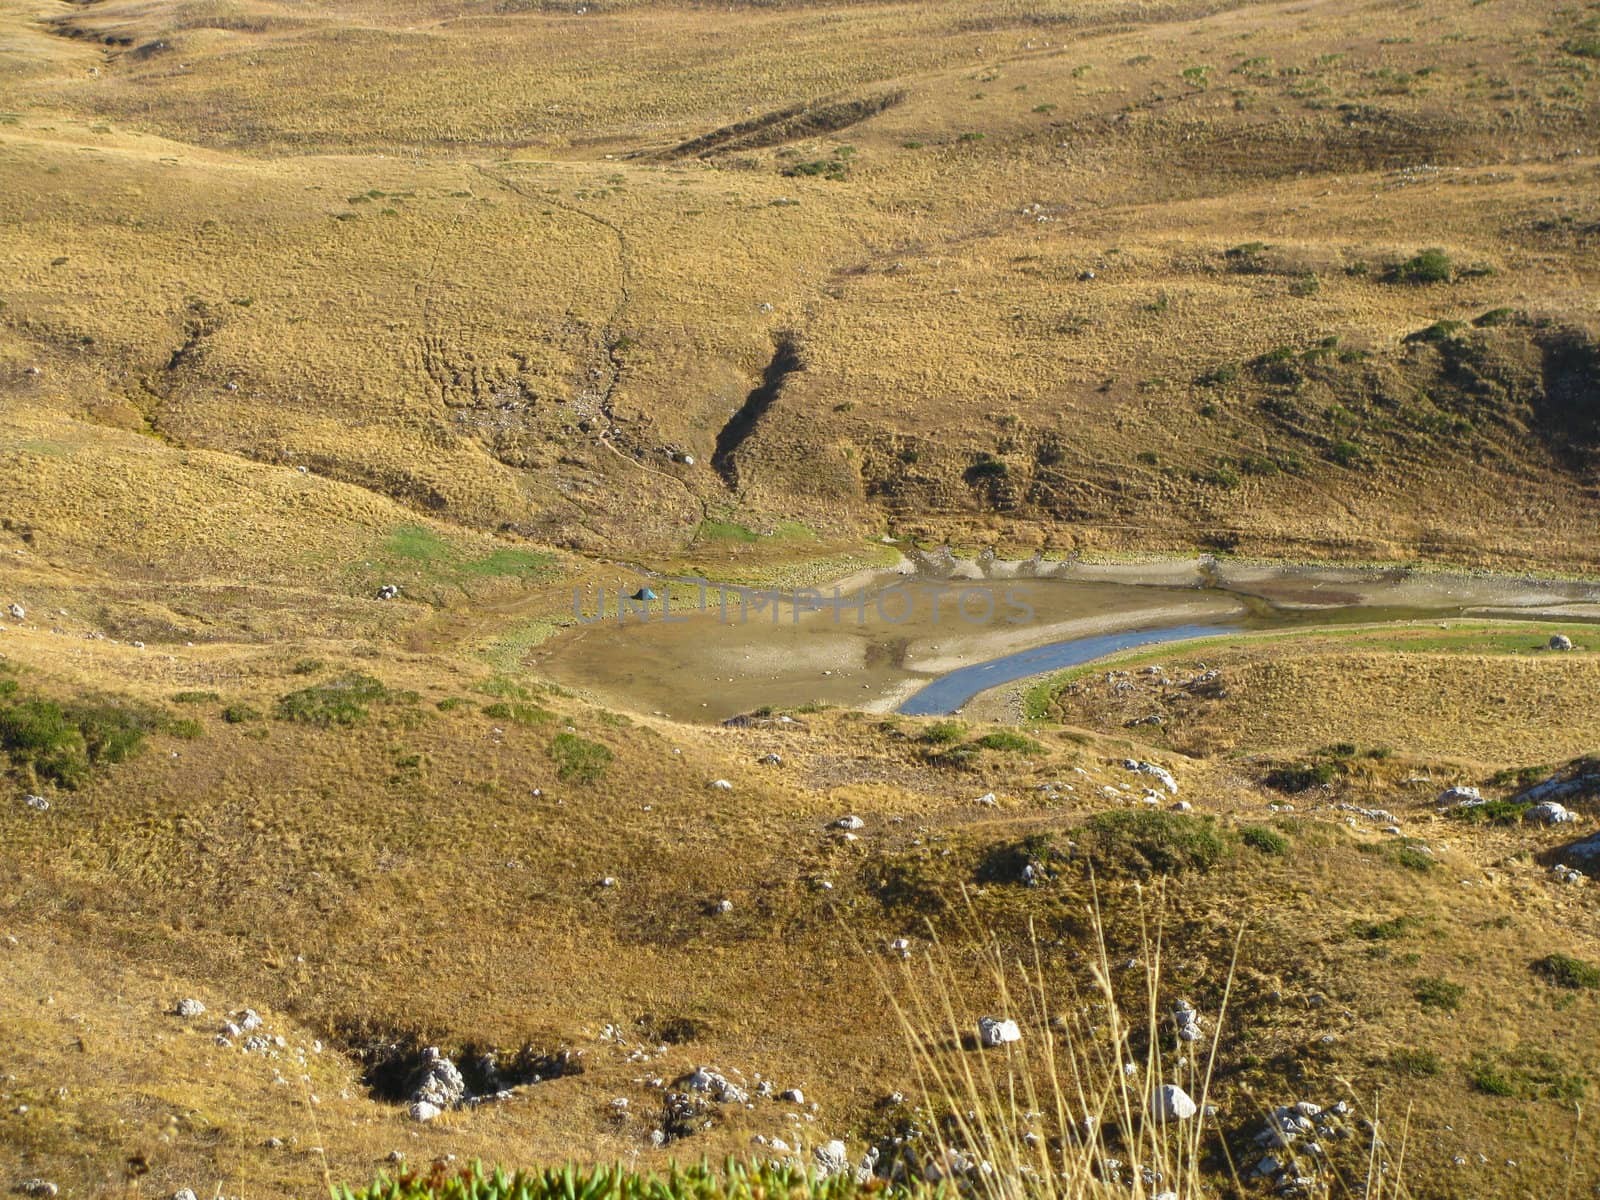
1079, 1107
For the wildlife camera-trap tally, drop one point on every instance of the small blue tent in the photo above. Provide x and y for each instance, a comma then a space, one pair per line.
645, 594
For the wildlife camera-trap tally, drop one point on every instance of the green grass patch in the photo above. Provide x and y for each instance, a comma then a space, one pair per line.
195, 698
1416, 1062
1565, 971
1432, 991
944, 733
1011, 741
1151, 841
1267, 841
518, 713
579, 760
418, 555
63, 742
345, 700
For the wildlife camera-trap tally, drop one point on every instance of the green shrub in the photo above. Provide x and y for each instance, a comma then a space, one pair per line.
61, 743
1487, 1076
1346, 453
1218, 376
1006, 739
340, 701
944, 733
186, 728
1430, 266
579, 760
1568, 972
1267, 841
1433, 992
1153, 841
1302, 776
1495, 316
1491, 812
195, 697
1439, 331
1417, 1062
1383, 931
240, 714
521, 714
307, 666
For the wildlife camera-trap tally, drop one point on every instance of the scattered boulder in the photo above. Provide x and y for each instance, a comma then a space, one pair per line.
831, 1158
1460, 797
18, 613
716, 1085
388, 592
439, 1082
1160, 774
423, 1111
190, 1008
1187, 1021
1172, 1103
184, 1194
995, 1032
1559, 641
771, 760
37, 803
1578, 780
37, 1187
721, 785
849, 822
1548, 812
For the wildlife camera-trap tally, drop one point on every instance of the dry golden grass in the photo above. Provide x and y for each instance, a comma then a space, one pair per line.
439, 256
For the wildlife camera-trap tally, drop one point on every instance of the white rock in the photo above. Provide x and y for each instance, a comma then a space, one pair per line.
184, 1194
793, 1096
1181, 806
37, 1187
722, 785
18, 613
850, 822
1560, 641
831, 1158
1461, 797
422, 1110
191, 1008
1160, 774
724, 906
993, 1032
1172, 1103
987, 799
249, 1019
1550, 813
37, 803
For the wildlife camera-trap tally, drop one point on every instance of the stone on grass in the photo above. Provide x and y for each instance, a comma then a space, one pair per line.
1550, 813
849, 822
831, 1158
1461, 797
996, 1032
423, 1111
191, 1008
1172, 1103
1160, 774
1560, 641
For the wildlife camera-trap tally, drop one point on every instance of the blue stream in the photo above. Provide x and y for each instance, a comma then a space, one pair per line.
949, 692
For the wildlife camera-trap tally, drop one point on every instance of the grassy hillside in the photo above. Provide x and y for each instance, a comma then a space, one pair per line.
342, 342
